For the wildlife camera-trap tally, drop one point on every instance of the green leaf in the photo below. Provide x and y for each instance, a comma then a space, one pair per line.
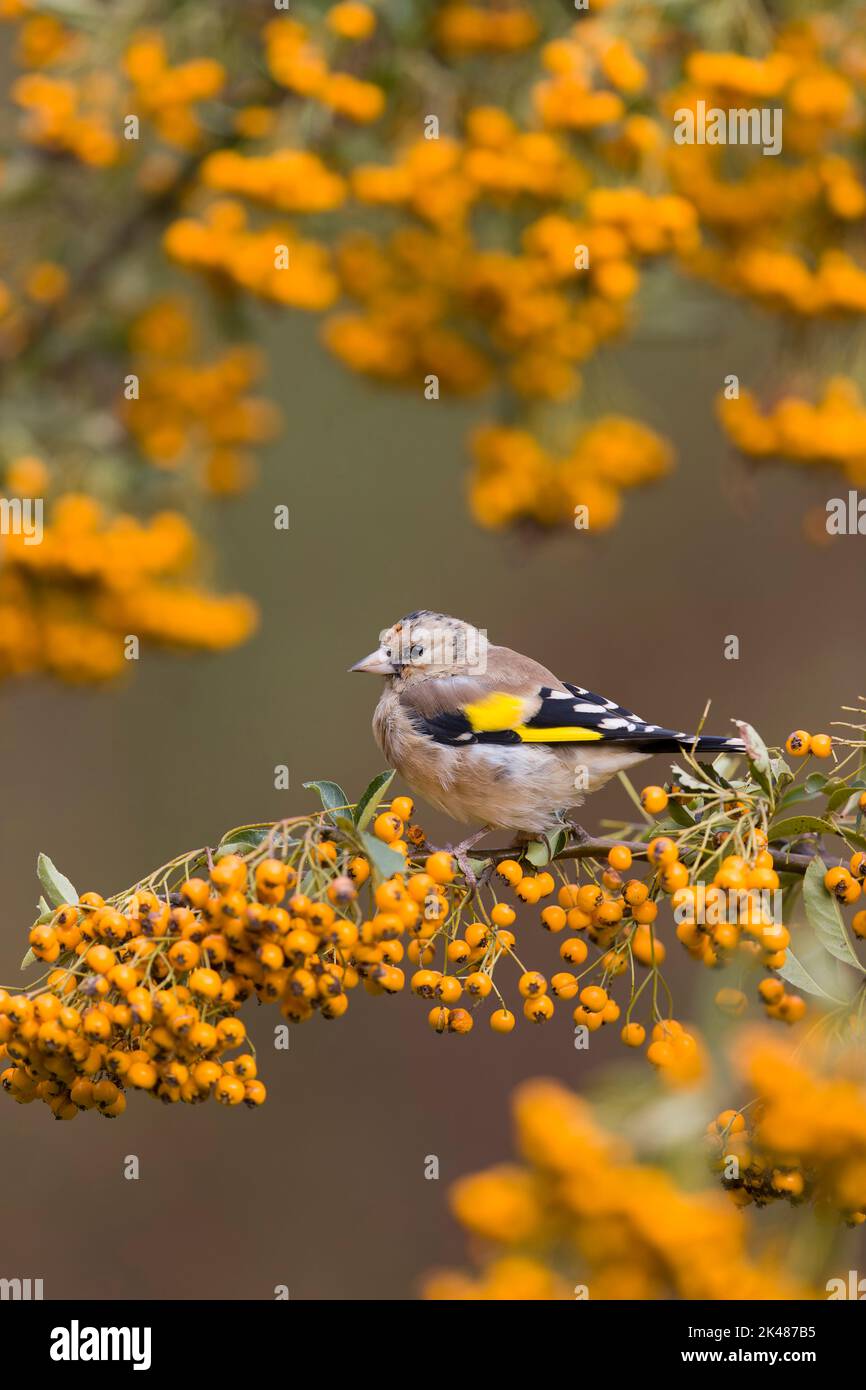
679, 815
792, 796
557, 840
28, 960
241, 844
841, 796
689, 782
332, 794
782, 774
538, 853
756, 749
797, 975
794, 826
371, 798
58, 889
816, 782
824, 916
724, 767
386, 861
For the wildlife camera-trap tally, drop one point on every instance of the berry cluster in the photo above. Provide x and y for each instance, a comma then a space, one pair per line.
802, 1137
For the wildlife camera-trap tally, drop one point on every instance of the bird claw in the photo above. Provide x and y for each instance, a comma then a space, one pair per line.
461, 856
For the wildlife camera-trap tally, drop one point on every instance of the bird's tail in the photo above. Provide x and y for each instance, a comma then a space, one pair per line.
666, 741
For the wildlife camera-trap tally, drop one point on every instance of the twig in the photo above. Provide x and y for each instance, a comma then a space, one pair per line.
783, 861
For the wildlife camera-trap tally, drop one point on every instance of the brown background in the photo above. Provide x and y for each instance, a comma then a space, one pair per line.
324, 1190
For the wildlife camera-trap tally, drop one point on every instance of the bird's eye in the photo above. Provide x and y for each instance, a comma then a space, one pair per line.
417, 651
388, 653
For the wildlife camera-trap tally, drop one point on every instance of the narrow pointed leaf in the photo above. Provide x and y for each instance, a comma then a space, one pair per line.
386, 861
332, 794
58, 889
371, 798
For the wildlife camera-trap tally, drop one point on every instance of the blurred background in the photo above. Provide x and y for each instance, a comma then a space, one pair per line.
323, 1190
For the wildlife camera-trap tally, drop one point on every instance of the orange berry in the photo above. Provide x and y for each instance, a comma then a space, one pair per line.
403, 807
619, 857
821, 745
478, 984
358, 870
229, 1090
661, 1054
229, 873
841, 884
633, 1034
532, 983
503, 915
662, 850
184, 955
593, 998
731, 1001
448, 989
387, 827
635, 892
654, 800
646, 947
510, 870
101, 959
673, 876
207, 983
554, 918
527, 889
590, 897
440, 867
797, 743
502, 1021
574, 950
545, 883
459, 1021
647, 912
538, 1008
792, 1008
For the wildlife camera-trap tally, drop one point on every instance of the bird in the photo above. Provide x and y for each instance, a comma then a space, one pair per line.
493, 738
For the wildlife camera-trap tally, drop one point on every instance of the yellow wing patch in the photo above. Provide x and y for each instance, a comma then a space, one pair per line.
557, 735
495, 712
500, 711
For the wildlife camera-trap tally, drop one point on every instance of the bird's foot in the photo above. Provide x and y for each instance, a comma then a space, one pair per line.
577, 831
461, 855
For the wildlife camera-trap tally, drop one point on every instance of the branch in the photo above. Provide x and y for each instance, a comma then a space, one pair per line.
783, 861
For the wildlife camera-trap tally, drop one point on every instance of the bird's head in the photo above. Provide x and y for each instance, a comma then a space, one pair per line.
425, 644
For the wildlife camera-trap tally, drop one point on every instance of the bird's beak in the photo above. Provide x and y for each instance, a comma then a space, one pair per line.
378, 663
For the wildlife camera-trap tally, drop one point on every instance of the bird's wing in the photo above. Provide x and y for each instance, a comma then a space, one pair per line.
548, 715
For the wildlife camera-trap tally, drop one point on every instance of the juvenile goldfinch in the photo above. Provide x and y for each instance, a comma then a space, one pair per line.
490, 736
